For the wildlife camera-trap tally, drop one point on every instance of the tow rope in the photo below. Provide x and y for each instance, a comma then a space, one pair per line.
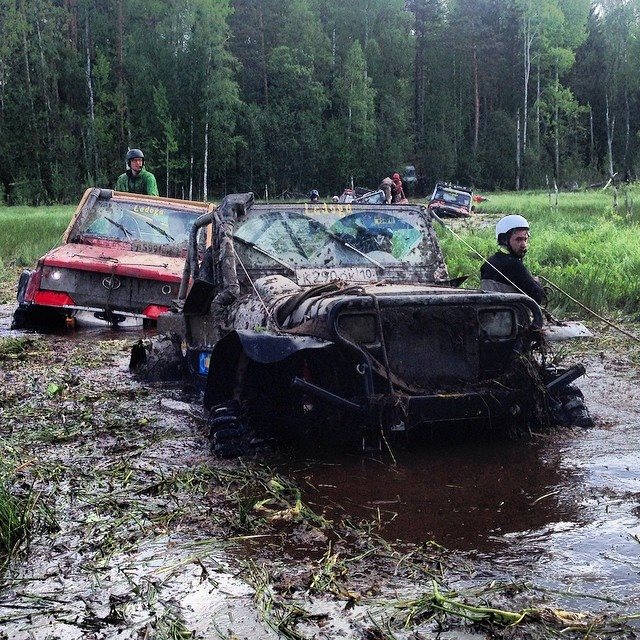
553, 284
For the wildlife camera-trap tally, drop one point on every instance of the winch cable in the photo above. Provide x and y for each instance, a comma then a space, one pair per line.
580, 304
250, 279
593, 313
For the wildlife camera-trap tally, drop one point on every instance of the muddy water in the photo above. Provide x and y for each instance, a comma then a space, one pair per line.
561, 513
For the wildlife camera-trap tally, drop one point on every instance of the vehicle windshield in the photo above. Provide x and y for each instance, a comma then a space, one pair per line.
453, 197
320, 237
135, 222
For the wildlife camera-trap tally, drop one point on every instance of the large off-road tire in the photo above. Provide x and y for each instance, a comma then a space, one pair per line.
228, 432
159, 359
570, 409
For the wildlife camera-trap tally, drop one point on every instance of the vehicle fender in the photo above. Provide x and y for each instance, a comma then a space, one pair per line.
29, 284
262, 347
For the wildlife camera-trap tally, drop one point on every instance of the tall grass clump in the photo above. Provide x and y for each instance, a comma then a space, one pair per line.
585, 246
26, 233
16, 524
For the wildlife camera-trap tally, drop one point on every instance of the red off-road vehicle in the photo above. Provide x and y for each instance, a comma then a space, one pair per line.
121, 262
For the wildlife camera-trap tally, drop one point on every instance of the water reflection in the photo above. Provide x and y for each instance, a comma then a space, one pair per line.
462, 496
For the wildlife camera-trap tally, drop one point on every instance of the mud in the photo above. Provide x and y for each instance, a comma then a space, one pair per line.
152, 537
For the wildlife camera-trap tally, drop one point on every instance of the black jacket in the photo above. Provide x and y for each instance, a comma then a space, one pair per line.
516, 273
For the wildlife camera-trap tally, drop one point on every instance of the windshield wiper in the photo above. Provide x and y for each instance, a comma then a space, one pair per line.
334, 236
252, 245
135, 214
127, 234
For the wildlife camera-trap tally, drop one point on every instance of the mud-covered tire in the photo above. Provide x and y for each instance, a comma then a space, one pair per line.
228, 432
158, 360
570, 408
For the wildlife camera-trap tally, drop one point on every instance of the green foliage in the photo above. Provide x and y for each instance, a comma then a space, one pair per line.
29, 232
15, 523
295, 94
583, 245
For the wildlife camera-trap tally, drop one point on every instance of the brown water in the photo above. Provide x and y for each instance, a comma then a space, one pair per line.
561, 512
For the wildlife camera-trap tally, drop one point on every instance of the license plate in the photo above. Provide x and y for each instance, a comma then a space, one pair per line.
204, 360
307, 277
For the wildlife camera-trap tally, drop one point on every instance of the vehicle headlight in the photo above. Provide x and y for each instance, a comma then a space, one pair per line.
359, 327
497, 323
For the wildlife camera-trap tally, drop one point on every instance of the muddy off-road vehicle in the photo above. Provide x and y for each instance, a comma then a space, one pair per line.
451, 201
120, 262
340, 320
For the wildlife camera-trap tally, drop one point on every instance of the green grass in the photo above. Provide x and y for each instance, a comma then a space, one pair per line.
29, 232
584, 245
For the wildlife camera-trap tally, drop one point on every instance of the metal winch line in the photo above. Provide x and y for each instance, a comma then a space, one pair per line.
553, 284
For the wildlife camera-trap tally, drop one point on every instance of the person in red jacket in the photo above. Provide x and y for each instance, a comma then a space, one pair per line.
397, 192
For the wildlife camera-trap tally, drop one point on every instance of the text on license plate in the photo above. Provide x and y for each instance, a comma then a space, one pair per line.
348, 274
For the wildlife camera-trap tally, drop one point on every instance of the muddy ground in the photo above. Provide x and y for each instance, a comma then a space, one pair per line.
139, 532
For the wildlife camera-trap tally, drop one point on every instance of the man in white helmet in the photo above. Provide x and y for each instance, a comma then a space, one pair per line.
504, 270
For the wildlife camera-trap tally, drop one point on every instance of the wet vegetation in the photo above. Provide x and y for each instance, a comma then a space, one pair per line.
128, 483
114, 517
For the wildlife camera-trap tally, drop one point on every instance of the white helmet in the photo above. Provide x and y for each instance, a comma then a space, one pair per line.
508, 223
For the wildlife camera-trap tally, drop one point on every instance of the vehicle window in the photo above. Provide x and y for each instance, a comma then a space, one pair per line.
324, 239
369, 231
136, 222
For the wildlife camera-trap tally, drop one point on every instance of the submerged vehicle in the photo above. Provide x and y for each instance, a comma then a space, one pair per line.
120, 262
340, 320
451, 201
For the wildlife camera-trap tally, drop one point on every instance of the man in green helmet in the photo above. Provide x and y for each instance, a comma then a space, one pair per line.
136, 179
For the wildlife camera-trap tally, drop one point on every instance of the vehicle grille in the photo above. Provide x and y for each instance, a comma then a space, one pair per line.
100, 290
433, 347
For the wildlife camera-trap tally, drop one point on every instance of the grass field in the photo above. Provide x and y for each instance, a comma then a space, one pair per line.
582, 243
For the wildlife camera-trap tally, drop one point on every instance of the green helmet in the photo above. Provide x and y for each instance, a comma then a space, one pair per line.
134, 153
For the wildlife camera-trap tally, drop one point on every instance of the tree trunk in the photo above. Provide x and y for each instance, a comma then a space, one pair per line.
518, 151
205, 172
122, 100
476, 88
32, 108
627, 131
611, 123
191, 163
556, 118
263, 47
592, 147
91, 140
538, 119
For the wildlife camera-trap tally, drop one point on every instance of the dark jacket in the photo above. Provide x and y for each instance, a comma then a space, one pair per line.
509, 265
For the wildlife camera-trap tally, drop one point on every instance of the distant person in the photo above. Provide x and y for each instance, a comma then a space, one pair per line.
504, 270
136, 179
314, 196
386, 186
335, 198
397, 190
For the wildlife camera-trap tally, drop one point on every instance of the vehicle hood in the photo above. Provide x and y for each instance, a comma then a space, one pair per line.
115, 260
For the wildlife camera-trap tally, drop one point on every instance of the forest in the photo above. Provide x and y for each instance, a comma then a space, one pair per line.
281, 96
